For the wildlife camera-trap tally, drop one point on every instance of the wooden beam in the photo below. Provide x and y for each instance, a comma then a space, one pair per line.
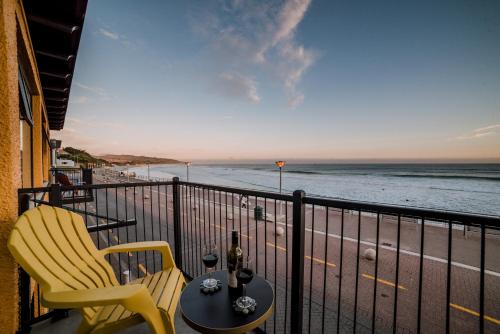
69, 29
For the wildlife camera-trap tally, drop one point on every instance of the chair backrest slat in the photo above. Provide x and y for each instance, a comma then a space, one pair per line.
73, 228
54, 247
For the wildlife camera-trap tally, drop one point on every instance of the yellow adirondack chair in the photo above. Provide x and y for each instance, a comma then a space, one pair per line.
53, 246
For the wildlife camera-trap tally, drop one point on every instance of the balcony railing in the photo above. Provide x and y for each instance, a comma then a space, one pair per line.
336, 266
71, 175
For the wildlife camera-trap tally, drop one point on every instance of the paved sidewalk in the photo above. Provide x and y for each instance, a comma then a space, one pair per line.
272, 256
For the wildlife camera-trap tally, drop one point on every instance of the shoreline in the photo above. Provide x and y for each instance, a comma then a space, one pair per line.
477, 195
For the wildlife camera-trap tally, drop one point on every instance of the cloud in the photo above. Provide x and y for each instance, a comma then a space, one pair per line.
93, 122
290, 17
476, 135
259, 35
96, 90
295, 100
237, 85
480, 132
109, 34
79, 100
116, 37
92, 94
489, 127
299, 60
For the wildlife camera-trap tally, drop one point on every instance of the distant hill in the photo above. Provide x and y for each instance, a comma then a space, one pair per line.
123, 159
80, 156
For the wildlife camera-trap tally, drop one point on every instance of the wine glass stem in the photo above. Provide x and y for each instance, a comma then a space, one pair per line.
244, 289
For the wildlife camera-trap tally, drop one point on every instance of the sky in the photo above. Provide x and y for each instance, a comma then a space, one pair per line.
288, 79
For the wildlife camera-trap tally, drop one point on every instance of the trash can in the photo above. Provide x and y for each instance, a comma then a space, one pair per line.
258, 212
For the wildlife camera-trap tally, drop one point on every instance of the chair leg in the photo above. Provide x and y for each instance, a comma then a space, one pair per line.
143, 304
170, 325
84, 327
155, 322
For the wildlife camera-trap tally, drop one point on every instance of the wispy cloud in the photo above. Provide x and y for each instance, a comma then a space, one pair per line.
115, 37
96, 90
485, 131
259, 35
109, 34
476, 135
237, 85
486, 128
92, 123
79, 99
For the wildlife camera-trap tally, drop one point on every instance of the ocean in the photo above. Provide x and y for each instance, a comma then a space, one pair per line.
471, 188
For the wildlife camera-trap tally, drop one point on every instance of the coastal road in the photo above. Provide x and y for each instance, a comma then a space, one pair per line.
206, 218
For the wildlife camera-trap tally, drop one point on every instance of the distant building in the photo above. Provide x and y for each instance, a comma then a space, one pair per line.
65, 163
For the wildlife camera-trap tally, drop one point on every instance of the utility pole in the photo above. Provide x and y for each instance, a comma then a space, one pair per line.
280, 164
188, 163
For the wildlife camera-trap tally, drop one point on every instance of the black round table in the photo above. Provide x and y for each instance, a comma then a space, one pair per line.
213, 313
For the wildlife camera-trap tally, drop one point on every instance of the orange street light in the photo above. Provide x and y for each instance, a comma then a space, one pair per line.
280, 164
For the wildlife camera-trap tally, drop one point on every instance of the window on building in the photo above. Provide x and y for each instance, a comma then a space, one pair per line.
26, 131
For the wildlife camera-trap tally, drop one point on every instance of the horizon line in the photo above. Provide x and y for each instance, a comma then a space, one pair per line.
356, 160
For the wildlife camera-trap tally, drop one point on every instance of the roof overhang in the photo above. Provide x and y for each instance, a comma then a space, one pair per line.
55, 29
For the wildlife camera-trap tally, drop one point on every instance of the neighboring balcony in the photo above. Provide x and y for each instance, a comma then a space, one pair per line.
335, 265
67, 176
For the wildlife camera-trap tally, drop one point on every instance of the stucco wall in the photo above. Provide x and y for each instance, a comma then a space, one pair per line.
9, 162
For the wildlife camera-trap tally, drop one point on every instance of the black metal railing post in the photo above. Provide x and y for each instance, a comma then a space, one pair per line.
297, 294
56, 199
24, 281
55, 195
87, 176
177, 222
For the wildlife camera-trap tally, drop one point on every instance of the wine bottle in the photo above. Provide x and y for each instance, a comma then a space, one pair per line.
234, 259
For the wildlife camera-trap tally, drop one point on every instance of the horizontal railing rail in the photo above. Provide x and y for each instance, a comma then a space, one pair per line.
335, 265
117, 222
241, 191
407, 211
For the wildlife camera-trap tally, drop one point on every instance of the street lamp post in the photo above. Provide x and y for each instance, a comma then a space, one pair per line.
280, 164
188, 163
149, 179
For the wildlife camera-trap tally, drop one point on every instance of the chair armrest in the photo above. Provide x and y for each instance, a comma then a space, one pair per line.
161, 246
93, 297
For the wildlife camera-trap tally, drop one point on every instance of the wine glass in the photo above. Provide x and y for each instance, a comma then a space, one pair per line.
244, 275
210, 259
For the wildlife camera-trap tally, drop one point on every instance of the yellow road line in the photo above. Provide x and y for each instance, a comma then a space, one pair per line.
383, 281
320, 261
474, 313
380, 280
307, 257
278, 247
